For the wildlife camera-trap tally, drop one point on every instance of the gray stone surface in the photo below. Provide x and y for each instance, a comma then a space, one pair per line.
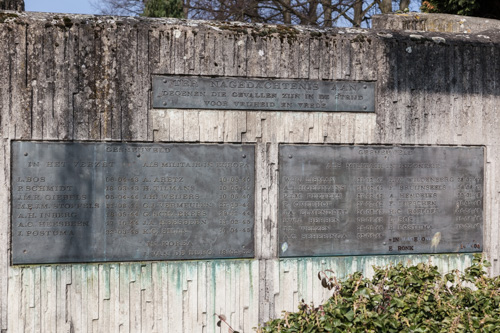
435, 23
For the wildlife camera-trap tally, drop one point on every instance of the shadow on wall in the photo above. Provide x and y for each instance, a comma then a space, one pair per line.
453, 64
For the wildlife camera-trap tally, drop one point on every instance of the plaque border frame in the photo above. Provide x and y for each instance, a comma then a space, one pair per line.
9, 189
387, 145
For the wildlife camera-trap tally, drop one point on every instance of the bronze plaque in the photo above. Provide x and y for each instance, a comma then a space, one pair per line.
232, 93
365, 200
92, 202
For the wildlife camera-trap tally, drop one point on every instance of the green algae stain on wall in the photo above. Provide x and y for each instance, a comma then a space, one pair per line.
299, 281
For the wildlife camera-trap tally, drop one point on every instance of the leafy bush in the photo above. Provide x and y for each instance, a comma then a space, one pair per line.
402, 299
479, 8
460, 7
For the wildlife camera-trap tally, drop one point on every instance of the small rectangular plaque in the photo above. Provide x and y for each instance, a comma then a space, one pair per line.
365, 200
225, 93
91, 202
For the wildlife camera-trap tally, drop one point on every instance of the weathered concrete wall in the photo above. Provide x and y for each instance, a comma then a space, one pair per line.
89, 78
434, 22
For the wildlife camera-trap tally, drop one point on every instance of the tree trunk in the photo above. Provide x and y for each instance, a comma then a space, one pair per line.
386, 6
312, 13
252, 11
287, 16
404, 4
185, 8
12, 5
327, 16
358, 13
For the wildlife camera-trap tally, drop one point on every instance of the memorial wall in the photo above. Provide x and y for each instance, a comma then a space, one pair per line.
156, 172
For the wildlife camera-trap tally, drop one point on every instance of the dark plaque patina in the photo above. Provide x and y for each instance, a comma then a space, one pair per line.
91, 202
363, 200
223, 93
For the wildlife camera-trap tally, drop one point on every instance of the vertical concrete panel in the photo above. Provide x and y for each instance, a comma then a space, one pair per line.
475, 124
5, 96
190, 298
256, 51
18, 110
273, 57
492, 200
298, 277
74, 300
207, 52
104, 296
37, 81
436, 96
209, 126
176, 123
155, 307
265, 201
191, 126
5, 277
107, 85
84, 97
86, 306
165, 49
47, 299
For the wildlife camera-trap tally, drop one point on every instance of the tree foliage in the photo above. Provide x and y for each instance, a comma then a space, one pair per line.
321, 13
460, 7
479, 8
402, 299
163, 8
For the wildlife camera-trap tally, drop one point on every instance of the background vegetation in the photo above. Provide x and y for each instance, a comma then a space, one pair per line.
321, 13
402, 299
479, 8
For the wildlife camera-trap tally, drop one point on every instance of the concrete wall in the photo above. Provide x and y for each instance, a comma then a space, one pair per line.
68, 77
435, 22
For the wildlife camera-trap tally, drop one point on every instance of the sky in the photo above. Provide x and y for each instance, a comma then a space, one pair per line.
84, 6
59, 6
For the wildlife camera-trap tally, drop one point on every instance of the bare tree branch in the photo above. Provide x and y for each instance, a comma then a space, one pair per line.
322, 13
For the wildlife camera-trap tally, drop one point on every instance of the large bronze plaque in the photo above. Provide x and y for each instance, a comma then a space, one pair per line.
225, 93
91, 202
363, 200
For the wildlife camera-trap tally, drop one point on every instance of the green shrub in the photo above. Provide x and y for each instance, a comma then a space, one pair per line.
460, 7
402, 299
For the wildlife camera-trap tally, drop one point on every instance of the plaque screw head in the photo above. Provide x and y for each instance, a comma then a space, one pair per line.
290, 156
165, 81
364, 107
138, 155
365, 86
244, 156
164, 103
25, 154
385, 243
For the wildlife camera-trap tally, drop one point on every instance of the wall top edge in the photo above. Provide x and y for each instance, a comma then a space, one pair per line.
386, 259
436, 22
385, 32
